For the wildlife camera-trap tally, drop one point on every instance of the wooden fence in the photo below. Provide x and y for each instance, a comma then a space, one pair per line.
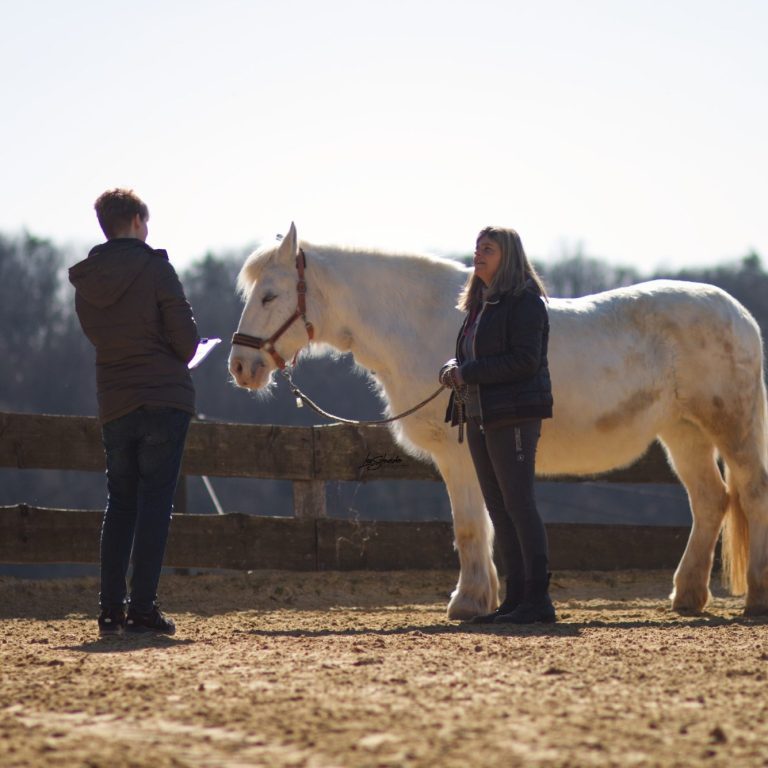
308, 457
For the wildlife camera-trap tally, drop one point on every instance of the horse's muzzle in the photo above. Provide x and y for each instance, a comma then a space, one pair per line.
249, 373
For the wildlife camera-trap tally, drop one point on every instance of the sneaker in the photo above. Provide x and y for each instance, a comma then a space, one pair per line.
154, 621
111, 621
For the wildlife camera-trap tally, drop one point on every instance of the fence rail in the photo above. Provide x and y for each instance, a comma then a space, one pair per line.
308, 457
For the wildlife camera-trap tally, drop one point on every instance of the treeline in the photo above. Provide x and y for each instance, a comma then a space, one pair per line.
48, 367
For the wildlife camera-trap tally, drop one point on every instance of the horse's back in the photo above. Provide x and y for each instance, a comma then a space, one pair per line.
641, 304
628, 362
659, 315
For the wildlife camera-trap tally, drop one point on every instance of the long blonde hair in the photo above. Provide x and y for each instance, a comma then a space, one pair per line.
513, 273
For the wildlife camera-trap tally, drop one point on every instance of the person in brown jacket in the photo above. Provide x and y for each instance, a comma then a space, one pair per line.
132, 307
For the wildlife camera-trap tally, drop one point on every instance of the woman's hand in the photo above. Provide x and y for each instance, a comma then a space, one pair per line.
450, 374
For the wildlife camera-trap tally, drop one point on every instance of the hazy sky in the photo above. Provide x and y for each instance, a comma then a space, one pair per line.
636, 129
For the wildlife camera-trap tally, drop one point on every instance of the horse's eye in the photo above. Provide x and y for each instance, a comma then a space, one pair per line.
267, 298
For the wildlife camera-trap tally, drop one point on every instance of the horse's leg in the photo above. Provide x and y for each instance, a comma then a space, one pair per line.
477, 591
692, 455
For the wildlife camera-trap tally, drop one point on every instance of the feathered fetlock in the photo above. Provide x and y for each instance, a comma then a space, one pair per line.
515, 593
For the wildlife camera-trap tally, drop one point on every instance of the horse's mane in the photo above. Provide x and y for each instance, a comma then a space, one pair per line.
255, 263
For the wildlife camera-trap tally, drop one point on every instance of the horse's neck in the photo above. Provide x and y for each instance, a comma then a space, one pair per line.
394, 314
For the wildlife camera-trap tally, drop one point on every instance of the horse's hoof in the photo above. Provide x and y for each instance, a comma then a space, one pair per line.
756, 610
688, 609
464, 607
690, 604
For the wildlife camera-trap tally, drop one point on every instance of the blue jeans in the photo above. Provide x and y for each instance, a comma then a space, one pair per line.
143, 451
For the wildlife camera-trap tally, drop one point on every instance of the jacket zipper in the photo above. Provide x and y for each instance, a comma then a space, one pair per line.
474, 354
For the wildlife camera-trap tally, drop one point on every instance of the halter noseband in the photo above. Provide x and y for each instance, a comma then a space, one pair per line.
268, 345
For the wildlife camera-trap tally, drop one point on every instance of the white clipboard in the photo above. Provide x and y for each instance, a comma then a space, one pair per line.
204, 348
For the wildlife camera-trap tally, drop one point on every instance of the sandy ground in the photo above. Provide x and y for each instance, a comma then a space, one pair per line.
363, 669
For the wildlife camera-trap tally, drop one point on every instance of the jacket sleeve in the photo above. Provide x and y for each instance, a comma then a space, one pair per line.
178, 322
521, 359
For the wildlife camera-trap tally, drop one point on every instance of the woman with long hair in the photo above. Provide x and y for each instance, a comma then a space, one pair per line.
502, 391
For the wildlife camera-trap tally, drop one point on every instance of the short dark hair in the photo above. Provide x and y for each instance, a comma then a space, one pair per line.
116, 208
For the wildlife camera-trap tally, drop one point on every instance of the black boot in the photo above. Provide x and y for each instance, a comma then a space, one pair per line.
536, 606
515, 592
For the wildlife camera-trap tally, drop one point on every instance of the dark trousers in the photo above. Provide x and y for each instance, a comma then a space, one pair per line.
505, 462
143, 452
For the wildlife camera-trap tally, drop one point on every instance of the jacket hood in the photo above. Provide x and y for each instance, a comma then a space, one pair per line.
110, 269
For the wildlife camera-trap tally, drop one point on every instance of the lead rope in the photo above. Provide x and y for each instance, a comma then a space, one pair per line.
460, 398
302, 398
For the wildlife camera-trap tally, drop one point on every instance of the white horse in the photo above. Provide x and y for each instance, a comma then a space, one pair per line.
677, 361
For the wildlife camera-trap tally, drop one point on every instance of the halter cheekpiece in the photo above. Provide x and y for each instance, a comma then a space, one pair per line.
268, 345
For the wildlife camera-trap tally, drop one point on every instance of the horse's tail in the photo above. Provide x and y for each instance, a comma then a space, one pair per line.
734, 551
734, 548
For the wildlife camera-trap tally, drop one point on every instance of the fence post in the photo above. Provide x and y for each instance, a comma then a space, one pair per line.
309, 499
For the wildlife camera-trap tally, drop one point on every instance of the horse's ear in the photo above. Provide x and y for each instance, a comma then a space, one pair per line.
288, 245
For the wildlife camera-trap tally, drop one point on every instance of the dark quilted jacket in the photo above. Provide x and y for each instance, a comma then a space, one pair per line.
511, 367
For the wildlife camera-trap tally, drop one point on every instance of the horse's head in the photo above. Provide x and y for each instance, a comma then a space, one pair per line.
273, 327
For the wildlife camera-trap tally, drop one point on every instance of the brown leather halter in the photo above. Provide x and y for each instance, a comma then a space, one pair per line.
268, 345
